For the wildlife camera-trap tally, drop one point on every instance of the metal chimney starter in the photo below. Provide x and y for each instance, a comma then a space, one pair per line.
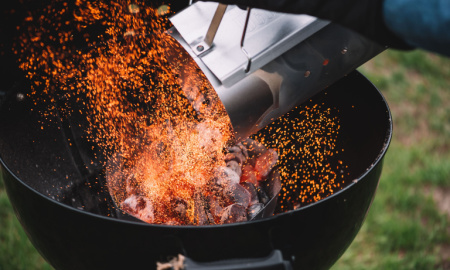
261, 63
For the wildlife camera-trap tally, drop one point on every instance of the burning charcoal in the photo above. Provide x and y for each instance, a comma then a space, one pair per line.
159, 147
237, 194
234, 213
265, 162
254, 148
272, 184
235, 149
214, 206
234, 165
210, 217
254, 209
236, 153
131, 186
249, 175
237, 156
139, 207
253, 193
215, 185
243, 149
224, 176
200, 216
172, 222
263, 198
180, 209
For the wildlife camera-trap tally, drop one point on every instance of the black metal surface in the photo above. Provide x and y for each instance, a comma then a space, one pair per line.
65, 210
274, 261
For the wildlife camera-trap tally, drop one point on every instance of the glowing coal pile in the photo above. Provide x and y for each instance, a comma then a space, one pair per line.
236, 191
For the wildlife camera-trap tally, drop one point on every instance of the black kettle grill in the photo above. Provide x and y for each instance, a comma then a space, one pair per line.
60, 199
64, 208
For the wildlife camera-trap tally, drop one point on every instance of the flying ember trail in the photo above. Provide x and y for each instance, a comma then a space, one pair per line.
169, 142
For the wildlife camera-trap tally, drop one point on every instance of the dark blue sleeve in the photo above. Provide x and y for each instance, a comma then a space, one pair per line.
421, 23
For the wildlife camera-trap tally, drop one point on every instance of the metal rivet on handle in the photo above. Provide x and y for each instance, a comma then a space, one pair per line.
200, 48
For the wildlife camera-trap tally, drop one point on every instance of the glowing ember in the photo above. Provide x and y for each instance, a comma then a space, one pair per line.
309, 163
175, 161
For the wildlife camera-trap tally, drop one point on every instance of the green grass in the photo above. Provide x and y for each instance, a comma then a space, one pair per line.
405, 228
16, 251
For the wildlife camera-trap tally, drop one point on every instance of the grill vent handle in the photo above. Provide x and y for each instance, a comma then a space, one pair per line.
274, 261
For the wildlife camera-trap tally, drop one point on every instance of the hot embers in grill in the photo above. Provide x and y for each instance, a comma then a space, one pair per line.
238, 192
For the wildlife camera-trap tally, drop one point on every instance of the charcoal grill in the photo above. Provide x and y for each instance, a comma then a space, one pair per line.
60, 199
65, 210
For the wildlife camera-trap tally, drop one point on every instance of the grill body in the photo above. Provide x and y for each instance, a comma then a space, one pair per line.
59, 199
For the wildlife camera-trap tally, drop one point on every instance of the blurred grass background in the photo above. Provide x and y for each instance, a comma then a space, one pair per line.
408, 226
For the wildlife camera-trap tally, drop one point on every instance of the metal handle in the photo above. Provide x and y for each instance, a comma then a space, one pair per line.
215, 22
204, 45
249, 59
274, 261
